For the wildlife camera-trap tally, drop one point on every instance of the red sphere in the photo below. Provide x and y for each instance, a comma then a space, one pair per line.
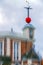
28, 20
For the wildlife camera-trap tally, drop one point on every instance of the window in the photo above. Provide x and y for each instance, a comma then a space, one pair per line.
16, 45
0, 48
31, 33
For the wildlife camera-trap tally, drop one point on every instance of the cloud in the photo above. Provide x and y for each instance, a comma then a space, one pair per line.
41, 54
3, 18
41, 22
13, 3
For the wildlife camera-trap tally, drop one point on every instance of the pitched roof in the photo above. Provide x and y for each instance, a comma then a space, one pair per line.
28, 26
30, 55
15, 35
12, 35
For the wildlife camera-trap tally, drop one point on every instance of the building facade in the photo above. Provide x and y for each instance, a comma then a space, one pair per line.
20, 47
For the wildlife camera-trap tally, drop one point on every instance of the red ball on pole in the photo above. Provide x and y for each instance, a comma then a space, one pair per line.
28, 20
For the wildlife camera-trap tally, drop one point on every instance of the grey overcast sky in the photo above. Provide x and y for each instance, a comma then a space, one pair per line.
13, 14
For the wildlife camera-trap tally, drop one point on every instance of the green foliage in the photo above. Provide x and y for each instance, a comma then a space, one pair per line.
6, 60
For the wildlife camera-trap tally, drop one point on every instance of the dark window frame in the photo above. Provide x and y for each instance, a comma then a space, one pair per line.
16, 47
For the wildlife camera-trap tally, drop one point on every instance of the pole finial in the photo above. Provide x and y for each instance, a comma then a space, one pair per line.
28, 19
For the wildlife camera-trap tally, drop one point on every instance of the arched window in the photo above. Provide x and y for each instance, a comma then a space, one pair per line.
31, 33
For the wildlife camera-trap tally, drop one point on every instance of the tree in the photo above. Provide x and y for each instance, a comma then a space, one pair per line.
6, 60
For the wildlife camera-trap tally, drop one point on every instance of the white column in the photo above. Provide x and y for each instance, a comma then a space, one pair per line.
19, 51
29, 61
3, 48
13, 52
22, 63
8, 47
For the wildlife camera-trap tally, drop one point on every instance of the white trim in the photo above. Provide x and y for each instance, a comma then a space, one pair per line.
19, 51
13, 51
29, 62
22, 63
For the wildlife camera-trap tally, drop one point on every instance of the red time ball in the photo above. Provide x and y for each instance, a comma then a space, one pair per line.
28, 20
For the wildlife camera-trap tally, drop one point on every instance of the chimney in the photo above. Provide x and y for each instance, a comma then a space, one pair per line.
12, 30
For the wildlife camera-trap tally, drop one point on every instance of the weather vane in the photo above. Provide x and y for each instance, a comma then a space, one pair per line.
28, 19
27, 2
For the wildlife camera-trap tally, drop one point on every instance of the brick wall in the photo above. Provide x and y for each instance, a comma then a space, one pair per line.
41, 62
25, 46
29, 46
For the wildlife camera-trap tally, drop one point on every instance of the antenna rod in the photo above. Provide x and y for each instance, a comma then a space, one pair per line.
28, 8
